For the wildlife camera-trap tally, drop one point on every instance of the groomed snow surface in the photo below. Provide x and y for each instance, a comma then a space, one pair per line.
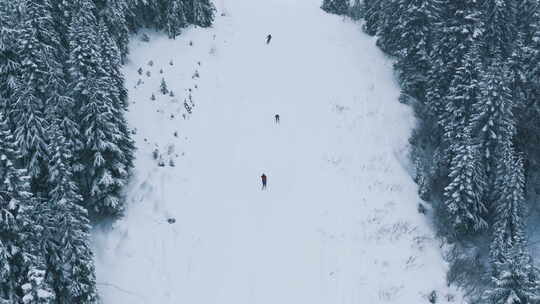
338, 222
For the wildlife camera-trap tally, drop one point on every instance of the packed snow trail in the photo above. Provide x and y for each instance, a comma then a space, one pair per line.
338, 222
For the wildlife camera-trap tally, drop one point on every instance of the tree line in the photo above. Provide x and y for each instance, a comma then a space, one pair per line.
470, 69
66, 150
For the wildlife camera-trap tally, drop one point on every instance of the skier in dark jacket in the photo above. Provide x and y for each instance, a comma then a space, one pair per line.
276, 118
263, 179
268, 38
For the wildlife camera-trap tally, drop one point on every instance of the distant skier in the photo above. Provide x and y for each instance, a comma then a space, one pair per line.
268, 38
263, 179
276, 118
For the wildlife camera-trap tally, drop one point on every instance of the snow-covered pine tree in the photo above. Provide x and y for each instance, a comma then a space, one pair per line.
514, 279
499, 36
143, 13
176, 17
355, 12
401, 19
463, 195
170, 15
62, 14
414, 34
455, 43
163, 87
493, 122
508, 203
100, 181
111, 57
15, 206
462, 93
71, 265
373, 14
118, 96
526, 82
338, 7
36, 289
202, 13
40, 83
9, 61
113, 14
387, 34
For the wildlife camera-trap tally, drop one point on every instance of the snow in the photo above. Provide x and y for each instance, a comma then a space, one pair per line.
338, 222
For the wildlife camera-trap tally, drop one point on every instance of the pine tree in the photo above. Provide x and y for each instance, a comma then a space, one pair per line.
463, 195
113, 14
462, 94
9, 60
100, 178
355, 12
508, 203
40, 83
455, 44
72, 262
176, 18
118, 96
499, 18
202, 13
112, 63
526, 81
514, 280
414, 34
493, 122
36, 290
338, 7
15, 206
373, 11
388, 35
163, 87
146, 14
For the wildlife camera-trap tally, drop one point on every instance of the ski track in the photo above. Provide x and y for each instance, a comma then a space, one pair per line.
339, 221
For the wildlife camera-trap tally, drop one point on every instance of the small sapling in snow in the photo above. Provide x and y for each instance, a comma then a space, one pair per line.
432, 298
422, 209
163, 87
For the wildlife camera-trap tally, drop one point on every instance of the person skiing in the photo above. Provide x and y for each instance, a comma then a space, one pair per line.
268, 38
276, 118
263, 179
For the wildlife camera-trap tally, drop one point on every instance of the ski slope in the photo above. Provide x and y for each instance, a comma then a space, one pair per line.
338, 222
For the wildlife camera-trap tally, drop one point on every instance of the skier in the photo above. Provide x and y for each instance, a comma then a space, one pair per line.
268, 38
276, 118
263, 179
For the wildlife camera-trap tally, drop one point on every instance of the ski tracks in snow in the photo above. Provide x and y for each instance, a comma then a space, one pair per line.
338, 223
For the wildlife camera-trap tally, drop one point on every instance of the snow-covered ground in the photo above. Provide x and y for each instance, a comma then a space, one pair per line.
338, 222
